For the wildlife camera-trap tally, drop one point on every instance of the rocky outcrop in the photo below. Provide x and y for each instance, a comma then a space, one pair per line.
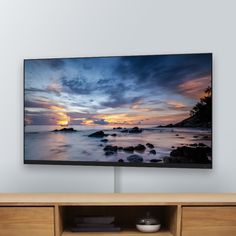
135, 158
149, 145
66, 130
98, 134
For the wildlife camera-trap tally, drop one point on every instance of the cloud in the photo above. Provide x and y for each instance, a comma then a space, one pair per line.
165, 71
100, 122
77, 85
194, 88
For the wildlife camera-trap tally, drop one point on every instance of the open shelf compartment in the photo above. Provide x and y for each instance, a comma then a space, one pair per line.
125, 218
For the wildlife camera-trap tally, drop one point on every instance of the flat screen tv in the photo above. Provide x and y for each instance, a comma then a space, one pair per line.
148, 110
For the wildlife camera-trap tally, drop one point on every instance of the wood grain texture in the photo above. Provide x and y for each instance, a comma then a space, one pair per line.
118, 199
124, 232
209, 221
26, 221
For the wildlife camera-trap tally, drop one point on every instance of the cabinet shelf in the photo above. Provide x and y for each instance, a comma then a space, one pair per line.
128, 232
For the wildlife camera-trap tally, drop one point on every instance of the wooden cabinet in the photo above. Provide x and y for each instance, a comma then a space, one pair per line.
209, 221
26, 221
180, 214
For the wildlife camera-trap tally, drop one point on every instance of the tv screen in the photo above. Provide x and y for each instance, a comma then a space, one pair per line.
152, 110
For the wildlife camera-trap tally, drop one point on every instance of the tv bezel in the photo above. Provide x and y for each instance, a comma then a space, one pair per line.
119, 164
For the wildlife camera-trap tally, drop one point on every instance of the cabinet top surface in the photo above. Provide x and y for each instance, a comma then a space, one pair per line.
117, 199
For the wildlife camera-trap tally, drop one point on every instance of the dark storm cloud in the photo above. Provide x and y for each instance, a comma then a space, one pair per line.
36, 104
118, 95
45, 118
166, 71
48, 90
77, 85
55, 64
100, 122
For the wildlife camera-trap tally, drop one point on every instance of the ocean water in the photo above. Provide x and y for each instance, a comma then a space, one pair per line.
43, 144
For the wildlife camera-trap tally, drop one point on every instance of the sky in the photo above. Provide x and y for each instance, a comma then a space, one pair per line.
128, 90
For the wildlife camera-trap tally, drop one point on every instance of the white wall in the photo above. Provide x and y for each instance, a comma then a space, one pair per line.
67, 28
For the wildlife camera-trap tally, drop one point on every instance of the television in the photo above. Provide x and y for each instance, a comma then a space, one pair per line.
142, 111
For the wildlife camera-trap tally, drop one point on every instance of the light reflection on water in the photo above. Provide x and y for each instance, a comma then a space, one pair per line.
42, 144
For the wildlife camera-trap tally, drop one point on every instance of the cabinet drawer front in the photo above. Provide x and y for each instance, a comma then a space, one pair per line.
209, 221
26, 221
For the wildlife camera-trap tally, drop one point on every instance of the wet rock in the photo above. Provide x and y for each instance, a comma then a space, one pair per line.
177, 135
128, 149
113, 135
120, 160
135, 158
65, 130
173, 147
108, 153
98, 134
117, 128
149, 145
124, 131
202, 145
186, 154
155, 160
110, 148
104, 140
193, 145
140, 148
153, 152
120, 148
135, 130
195, 136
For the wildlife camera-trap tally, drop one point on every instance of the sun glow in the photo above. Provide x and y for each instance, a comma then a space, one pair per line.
62, 118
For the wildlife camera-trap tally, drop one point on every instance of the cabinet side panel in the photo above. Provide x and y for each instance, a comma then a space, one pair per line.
209, 221
27, 221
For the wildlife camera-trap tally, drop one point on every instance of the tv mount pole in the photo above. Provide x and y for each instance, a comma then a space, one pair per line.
116, 180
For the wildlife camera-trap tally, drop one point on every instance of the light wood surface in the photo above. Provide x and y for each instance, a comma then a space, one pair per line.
180, 214
209, 221
26, 221
118, 199
124, 232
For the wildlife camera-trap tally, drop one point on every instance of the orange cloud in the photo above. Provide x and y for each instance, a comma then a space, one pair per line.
61, 116
176, 105
195, 88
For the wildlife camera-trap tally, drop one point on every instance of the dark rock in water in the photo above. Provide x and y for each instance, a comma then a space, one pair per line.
120, 148
100, 145
135, 158
113, 135
65, 130
118, 128
201, 145
155, 160
110, 148
104, 140
128, 149
153, 152
195, 136
139, 148
193, 145
186, 154
135, 130
177, 135
98, 134
173, 147
120, 160
124, 131
108, 153
149, 145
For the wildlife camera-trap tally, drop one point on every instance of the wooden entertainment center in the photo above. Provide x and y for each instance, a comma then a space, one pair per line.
180, 214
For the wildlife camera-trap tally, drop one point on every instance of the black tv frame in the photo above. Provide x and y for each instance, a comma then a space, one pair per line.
119, 164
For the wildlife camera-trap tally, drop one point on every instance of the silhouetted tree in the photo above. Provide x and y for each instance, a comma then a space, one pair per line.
203, 109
